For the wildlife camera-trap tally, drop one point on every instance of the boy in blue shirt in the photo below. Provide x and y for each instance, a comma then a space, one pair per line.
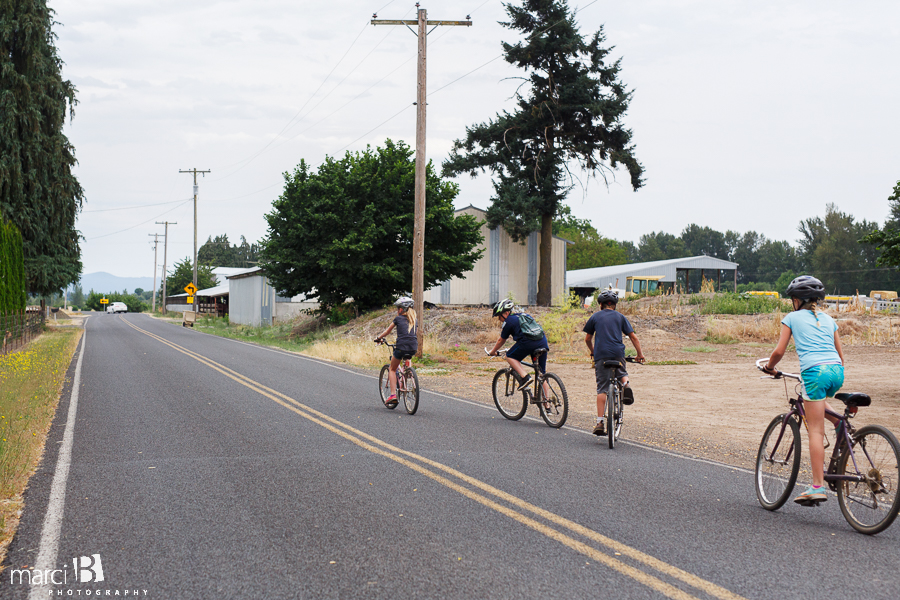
523, 346
604, 331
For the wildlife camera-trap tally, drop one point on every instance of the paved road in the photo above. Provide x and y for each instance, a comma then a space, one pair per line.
203, 467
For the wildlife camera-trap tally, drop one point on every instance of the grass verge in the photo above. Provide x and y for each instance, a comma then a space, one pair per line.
30, 384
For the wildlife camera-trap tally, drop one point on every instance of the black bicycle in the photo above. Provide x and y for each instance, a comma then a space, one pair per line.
864, 469
615, 409
548, 393
407, 383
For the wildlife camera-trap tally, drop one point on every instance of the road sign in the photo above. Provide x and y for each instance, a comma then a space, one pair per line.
190, 289
104, 301
190, 299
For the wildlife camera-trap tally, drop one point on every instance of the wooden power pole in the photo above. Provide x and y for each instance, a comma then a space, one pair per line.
165, 256
418, 270
196, 189
155, 245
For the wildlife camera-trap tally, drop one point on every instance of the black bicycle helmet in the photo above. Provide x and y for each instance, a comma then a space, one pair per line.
607, 296
806, 288
502, 306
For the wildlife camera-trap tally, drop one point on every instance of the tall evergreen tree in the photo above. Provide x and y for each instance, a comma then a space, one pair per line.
37, 189
569, 109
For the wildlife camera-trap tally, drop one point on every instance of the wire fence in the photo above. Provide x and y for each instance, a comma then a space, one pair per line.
18, 329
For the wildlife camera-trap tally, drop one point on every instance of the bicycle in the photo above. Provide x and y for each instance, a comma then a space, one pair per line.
407, 382
615, 411
552, 404
864, 469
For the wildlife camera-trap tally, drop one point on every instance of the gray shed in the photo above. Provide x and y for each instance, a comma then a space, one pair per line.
585, 281
251, 299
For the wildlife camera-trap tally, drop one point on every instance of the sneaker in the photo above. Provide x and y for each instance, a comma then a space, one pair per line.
812, 496
391, 401
627, 396
600, 427
524, 383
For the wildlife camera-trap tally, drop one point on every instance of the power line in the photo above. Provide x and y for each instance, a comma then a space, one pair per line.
138, 225
131, 207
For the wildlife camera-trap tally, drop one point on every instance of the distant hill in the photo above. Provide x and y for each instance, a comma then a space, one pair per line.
105, 282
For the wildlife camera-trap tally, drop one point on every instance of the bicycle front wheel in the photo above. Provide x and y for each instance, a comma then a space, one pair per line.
411, 398
510, 403
870, 506
613, 409
554, 405
778, 463
384, 383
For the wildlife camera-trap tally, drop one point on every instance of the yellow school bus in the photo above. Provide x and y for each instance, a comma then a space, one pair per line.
775, 295
642, 285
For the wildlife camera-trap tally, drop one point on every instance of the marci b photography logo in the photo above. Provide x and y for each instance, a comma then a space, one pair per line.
88, 569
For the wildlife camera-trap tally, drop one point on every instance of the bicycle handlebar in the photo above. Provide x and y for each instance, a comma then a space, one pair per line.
778, 374
499, 352
631, 359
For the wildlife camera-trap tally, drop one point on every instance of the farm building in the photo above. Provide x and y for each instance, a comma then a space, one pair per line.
506, 267
585, 281
212, 300
252, 301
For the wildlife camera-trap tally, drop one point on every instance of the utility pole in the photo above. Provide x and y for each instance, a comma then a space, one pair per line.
418, 282
155, 244
165, 256
196, 189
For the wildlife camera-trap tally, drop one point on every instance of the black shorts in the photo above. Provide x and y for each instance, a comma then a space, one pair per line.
400, 354
602, 374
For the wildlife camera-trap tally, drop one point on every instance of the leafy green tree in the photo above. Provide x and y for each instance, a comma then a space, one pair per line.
590, 249
183, 274
347, 230
832, 253
704, 241
78, 295
569, 109
893, 220
776, 258
660, 246
38, 192
744, 250
12, 269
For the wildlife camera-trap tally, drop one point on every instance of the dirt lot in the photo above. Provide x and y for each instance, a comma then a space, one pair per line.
689, 407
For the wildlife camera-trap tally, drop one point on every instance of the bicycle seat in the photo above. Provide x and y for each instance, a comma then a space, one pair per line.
854, 399
539, 351
611, 364
406, 357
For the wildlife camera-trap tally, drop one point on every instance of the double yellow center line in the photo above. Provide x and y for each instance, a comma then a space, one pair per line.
487, 495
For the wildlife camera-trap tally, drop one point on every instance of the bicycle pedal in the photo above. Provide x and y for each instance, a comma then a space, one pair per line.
811, 502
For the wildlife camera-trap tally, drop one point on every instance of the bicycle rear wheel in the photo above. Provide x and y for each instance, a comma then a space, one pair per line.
613, 410
557, 410
411, 397
871, 506
384, 384
509, 402
777, 463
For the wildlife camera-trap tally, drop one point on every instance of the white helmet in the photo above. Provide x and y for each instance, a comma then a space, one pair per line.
404, 302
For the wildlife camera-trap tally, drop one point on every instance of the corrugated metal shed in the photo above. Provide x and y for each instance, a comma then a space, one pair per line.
602, 277
506, 267
251, 300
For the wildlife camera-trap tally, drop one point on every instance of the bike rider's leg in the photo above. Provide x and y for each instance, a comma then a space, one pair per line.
815, 421
517, 367
392, 374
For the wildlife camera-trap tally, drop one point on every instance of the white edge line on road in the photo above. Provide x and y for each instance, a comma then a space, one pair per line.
49, 546
482, 405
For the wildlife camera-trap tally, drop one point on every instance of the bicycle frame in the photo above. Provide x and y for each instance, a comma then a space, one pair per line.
844, 442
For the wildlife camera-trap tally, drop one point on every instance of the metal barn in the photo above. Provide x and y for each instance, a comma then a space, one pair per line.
585, 281
505, 267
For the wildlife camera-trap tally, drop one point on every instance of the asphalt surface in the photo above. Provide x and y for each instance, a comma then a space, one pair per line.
203, 467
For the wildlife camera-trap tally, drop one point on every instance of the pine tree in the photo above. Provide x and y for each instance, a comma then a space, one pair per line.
38, 192
568, 110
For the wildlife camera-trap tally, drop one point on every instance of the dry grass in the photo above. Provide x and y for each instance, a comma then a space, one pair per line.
755, 328
30, 383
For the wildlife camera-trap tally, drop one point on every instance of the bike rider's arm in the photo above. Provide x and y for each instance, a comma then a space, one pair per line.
778, 352
385, 333
637, 347
500, 342
589, 341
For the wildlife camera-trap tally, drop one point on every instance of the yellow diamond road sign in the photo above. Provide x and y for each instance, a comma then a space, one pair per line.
190, 289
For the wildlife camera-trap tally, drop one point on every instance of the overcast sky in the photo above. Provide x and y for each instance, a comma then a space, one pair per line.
746, 115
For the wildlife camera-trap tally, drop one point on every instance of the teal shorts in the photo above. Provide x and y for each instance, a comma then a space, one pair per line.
822, 381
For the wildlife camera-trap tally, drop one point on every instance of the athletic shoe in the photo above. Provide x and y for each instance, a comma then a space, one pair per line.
391, 401
600, 427
811, 496
627, 396
525, 383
